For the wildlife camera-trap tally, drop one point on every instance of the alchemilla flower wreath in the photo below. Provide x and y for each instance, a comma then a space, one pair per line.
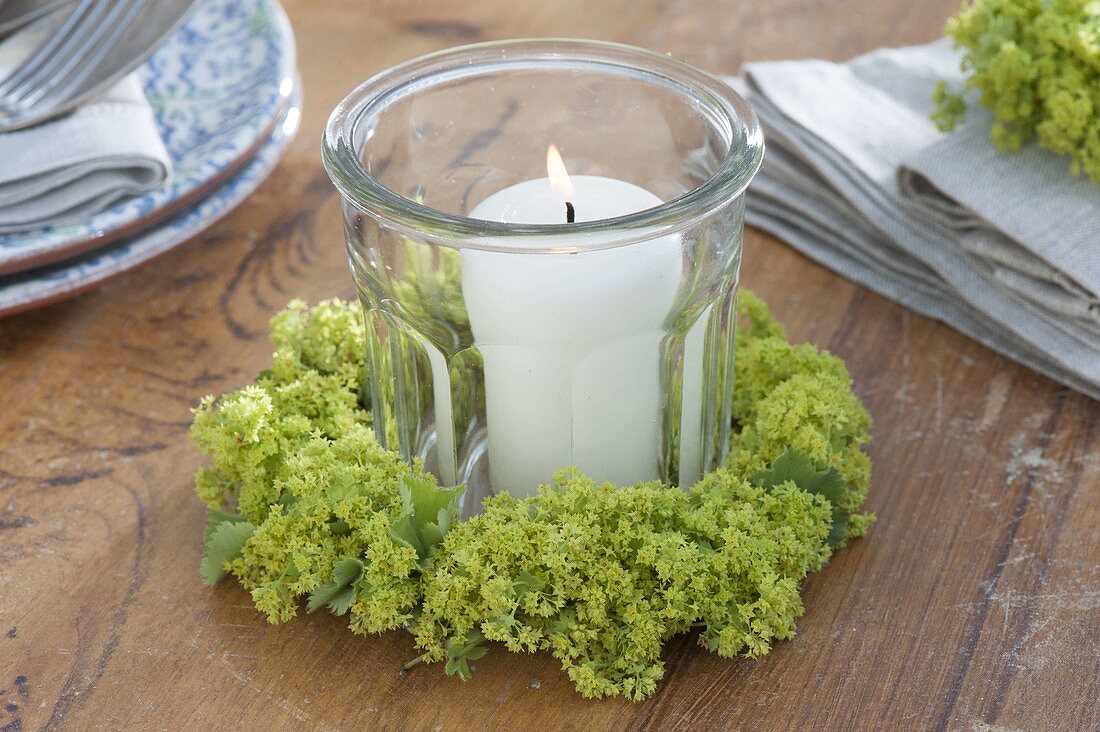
306, 508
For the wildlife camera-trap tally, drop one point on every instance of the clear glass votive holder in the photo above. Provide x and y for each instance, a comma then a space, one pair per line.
529, 309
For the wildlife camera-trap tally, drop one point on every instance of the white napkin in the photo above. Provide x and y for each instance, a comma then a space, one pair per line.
1003, 247
68, 169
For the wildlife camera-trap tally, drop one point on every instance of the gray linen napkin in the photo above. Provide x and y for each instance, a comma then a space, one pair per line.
68, 169
1003, 247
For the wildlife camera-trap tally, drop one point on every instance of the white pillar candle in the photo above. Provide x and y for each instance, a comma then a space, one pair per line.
571, 341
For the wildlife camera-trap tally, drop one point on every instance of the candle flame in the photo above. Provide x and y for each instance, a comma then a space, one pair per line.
559, 176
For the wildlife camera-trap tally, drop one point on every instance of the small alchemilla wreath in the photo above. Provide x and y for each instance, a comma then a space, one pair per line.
304, 504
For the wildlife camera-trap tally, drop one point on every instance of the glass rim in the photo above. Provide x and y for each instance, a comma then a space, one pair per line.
728, 181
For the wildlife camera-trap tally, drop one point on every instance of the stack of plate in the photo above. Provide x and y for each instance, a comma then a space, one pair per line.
225, 91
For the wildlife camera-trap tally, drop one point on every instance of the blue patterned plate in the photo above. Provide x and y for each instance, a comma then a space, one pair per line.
218, 86
33, 288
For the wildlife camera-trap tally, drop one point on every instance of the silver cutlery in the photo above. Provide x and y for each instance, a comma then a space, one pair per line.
88, 49
14, 14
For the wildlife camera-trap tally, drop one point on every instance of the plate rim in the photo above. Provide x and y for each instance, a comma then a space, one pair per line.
279, 140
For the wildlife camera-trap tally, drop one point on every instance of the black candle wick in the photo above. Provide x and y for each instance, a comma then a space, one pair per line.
570, 214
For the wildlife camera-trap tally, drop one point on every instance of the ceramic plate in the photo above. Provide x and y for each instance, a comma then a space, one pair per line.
33, 288
218, 86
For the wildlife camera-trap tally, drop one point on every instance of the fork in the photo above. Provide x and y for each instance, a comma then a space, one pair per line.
64, 81
69, 55
54, 44
14, 14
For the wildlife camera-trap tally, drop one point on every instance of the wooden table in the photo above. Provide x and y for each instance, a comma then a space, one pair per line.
974, 603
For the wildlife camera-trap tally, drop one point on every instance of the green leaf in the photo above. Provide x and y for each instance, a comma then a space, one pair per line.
215, 518
427, 513
457, 666
526, 582
795, 467
827, 483
792, 465
425, 501
339, 527
459, 654
565, 622
340, 593
405, 531
226, 542
342, 487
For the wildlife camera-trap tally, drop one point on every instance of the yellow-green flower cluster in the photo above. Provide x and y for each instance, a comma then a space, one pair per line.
797, 396
602, 576
294, 456
304, 502
1036, 65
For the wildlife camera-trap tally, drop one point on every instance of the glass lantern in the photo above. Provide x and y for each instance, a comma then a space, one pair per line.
546, 237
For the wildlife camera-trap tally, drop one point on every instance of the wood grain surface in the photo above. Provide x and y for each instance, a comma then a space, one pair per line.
974, 603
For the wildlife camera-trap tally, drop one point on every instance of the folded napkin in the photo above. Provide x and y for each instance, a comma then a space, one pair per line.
68, 169
1003, 247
